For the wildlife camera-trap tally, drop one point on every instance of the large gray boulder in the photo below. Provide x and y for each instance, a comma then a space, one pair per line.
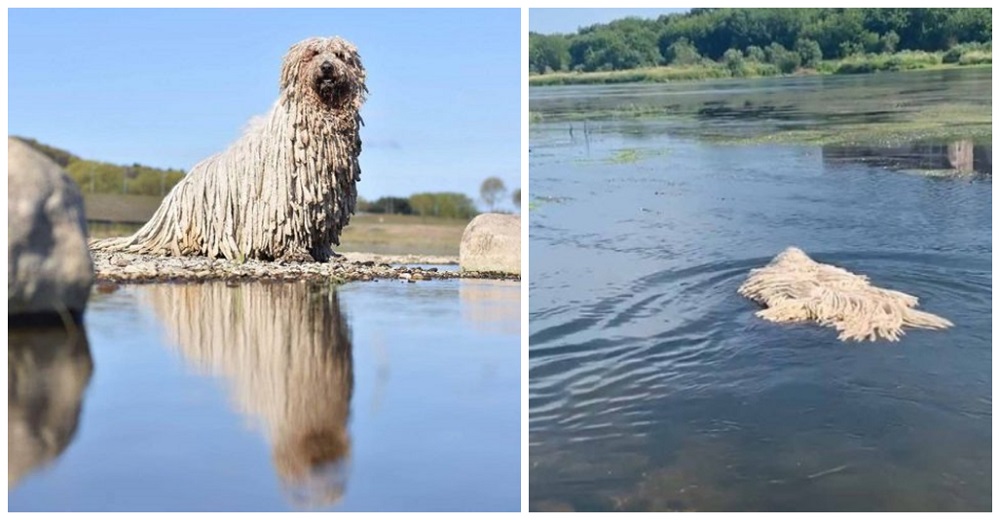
49, 271
492, 243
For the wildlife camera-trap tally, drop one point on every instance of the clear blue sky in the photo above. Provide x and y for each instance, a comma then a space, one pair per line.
168, 88
547, 21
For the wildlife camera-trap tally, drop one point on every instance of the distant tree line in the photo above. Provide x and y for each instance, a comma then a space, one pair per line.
137, 179
444, 204
785, 38
102, 177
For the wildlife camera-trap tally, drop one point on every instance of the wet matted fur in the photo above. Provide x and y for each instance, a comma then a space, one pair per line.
796, 288
287, 187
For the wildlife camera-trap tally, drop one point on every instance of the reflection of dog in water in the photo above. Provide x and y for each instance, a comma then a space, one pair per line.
286, 350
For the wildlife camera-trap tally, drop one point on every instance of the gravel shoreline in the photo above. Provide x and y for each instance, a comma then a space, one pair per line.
132, 268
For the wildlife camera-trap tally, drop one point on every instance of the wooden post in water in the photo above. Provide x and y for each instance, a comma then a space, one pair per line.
960, 156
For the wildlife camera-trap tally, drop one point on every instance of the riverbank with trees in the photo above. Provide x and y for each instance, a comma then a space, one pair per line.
721, 43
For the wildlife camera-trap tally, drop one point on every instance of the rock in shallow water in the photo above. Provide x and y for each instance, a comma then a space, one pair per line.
492, 243
49, 270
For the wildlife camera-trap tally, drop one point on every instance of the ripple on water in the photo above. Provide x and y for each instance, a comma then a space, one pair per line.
654, 386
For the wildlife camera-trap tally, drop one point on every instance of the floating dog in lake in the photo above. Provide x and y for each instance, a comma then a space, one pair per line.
795, 288
288, 187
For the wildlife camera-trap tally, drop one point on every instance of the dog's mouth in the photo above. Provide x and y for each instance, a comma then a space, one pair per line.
330, 86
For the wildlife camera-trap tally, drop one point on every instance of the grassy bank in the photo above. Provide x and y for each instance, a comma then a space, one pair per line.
367, 233
120, 209
403, 234
706, 70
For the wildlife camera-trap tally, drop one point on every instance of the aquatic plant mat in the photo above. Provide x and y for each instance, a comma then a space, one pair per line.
135, 268
794, 288
885, 109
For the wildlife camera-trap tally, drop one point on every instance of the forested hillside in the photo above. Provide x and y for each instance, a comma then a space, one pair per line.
771, 41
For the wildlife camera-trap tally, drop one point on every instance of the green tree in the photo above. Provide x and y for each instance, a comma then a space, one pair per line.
391, 206
755, 53
888, 42
852, 48
786, 61
835, 27
613, 50
363, 205
969, 25
492, 191
810, 52
423, 204
709, 33
682, 52
516, 198
735, 62
882, 21
640, 36
548, 53
446, 205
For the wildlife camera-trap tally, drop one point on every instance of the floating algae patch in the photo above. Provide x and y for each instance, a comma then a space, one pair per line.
625, 156
538, 202
896, 124
632, 155
942, 124
886, 108
583, 114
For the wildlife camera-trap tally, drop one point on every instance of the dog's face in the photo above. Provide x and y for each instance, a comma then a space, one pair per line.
328, 67
792, 255
314, 465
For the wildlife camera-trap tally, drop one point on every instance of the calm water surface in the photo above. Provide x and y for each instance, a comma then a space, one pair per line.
652, 384
372, 396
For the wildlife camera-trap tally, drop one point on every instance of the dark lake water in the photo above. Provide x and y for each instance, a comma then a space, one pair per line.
652, 384
272, 397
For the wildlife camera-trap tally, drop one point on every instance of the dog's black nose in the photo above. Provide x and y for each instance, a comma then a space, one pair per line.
326, 67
